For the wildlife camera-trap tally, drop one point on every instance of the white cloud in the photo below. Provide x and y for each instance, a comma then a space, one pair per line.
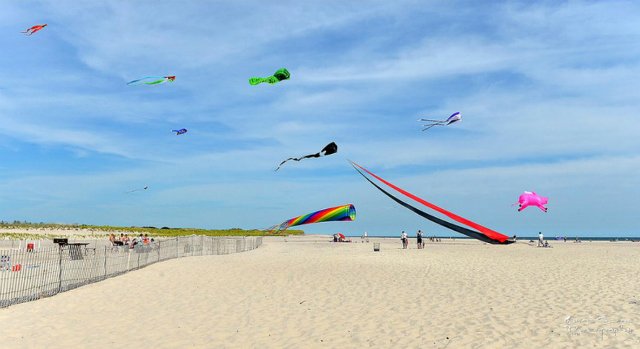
547, 93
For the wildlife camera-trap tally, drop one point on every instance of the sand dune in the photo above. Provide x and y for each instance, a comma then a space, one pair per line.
309, 293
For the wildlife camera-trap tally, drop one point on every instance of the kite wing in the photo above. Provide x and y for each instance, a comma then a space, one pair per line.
329, 149
483, 233
338, 213
282, 74
455, 117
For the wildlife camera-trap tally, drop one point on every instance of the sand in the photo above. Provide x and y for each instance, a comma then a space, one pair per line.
310, 293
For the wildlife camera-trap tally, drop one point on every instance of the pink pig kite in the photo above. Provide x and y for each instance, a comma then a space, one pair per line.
529, 198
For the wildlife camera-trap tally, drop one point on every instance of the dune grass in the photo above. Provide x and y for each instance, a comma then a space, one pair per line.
84, 229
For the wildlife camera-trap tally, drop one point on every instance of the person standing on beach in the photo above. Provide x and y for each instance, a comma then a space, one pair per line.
405, 240
419, 239
540, 240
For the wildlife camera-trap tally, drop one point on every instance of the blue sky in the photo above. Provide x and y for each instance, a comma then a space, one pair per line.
548, 92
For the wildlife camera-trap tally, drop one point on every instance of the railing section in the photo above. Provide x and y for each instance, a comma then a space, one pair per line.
26, 275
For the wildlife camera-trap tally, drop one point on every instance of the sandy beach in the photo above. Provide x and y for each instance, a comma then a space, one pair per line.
306, 292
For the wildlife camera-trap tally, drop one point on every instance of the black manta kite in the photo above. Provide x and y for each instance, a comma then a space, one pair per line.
329, 149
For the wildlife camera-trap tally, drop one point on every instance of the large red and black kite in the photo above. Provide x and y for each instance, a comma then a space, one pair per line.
481, 233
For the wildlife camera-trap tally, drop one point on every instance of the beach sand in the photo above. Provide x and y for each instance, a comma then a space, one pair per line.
310, 293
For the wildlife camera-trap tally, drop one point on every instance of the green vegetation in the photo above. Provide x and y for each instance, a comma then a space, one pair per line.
84, 230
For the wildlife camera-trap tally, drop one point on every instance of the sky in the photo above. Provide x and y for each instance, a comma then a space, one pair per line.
548, 91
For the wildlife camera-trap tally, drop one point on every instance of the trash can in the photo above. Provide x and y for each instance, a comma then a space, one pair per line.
376, 247
30, 247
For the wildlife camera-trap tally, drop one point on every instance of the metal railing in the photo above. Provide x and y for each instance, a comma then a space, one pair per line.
27, 275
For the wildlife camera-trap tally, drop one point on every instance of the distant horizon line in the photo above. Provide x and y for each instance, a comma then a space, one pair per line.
547, 237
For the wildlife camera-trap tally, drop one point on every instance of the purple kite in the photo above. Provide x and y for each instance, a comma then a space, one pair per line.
180, 131
455, 117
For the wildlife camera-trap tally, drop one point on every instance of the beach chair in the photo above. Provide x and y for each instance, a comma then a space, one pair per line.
114, 247
5, 263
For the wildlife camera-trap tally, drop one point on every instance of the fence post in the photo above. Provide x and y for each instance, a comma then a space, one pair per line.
59, 268
105, 262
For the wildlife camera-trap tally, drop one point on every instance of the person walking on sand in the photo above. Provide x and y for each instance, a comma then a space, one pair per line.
540, 240
366, 237
419, 239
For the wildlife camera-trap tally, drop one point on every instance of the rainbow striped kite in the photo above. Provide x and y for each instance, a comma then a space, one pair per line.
339, 213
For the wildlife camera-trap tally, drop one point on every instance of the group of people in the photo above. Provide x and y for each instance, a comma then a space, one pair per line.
419, 239
124, 240
338, 237
541, 242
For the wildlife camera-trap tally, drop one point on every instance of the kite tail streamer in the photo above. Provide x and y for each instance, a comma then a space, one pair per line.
316, 155
430, 126
282, 163
490, 236
256, 81
153, 80
135, 190
270, 79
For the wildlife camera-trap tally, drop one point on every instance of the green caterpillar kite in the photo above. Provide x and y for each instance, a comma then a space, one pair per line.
279, 75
